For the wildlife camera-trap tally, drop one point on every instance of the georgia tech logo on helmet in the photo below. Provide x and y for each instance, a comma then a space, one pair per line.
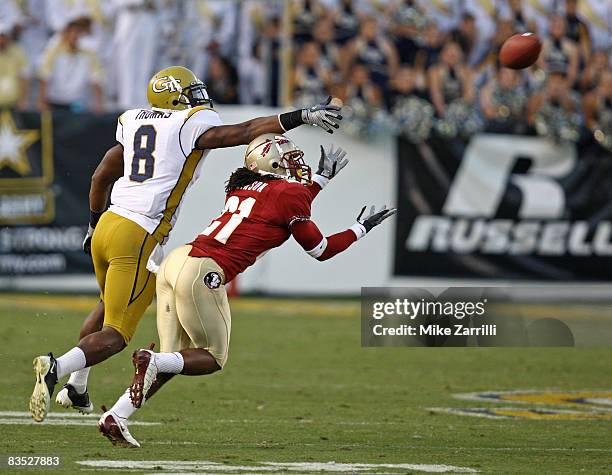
167, 83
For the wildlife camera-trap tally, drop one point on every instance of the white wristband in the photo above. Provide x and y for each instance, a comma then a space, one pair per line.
320, 180
319, 249
359, 230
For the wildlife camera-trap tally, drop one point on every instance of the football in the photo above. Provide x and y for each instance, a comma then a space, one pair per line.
520, 51
336, 101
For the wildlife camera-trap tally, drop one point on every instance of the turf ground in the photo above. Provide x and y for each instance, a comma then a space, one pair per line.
298, 392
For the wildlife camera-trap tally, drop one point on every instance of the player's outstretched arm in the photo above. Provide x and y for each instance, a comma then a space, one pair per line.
108, 172
325, 115
308, 235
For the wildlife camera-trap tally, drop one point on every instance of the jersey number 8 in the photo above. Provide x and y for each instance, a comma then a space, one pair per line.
143, 162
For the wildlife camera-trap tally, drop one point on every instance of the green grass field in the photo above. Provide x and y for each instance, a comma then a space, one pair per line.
298, 388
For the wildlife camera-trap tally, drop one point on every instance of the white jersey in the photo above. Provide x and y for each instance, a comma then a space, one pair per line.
160, 162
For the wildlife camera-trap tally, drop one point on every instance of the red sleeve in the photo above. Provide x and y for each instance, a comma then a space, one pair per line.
293, 204
314, 189
308, 235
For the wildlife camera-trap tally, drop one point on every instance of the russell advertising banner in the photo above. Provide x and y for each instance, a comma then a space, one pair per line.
504, 207
46, 163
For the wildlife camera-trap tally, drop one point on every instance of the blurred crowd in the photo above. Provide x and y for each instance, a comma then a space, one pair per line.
99, 55
412, 66
421, 66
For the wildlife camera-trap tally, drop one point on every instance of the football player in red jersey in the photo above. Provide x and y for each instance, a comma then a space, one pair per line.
268, 200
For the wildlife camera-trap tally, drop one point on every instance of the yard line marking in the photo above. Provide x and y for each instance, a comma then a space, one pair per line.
63, 422
205, 466
74, 415
58, 419
359, 467
77, 415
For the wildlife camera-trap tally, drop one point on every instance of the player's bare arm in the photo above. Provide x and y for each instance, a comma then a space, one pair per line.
108, 172
238, 134
325, 115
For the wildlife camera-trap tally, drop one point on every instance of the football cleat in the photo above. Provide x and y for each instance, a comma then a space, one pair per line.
69, 397
45, 368
145, 371
114, 429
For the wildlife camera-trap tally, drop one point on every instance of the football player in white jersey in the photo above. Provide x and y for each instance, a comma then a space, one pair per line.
159, 155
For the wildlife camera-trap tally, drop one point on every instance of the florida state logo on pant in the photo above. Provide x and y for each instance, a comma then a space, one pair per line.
212, 280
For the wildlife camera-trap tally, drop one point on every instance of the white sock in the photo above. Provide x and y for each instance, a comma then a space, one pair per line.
169, 362
79, 380
123, 407
71, 361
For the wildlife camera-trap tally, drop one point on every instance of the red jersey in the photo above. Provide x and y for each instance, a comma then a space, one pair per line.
255, 219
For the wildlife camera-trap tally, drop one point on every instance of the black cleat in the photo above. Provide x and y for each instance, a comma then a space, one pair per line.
45, 369
69, 397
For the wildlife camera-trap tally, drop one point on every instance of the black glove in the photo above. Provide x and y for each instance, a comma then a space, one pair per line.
374, 218
324, 115
87, 240
94, 217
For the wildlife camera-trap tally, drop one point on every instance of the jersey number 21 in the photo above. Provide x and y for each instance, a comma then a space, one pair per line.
237, 211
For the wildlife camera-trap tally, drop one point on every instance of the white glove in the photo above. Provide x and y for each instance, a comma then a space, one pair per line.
155, 259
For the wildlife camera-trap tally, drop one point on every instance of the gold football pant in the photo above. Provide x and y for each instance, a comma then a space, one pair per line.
192, 306
120, 250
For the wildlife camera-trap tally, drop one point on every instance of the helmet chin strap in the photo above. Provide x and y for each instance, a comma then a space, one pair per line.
284, 177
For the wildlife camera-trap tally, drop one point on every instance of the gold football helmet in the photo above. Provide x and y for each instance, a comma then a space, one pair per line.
277, 155
177, 88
